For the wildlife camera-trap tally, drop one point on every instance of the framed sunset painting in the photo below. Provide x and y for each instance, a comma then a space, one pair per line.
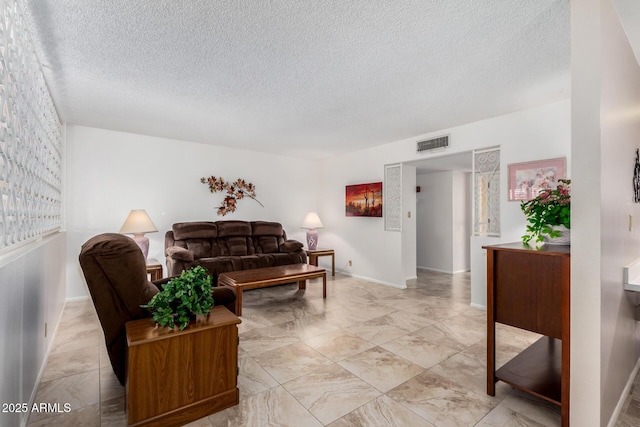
364, 199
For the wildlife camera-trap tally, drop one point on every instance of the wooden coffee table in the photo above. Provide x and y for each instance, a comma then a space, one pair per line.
270, 276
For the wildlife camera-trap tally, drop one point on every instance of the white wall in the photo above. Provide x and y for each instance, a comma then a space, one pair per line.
444, 221
620, 138
109, 173
409, 224
585, 214
435, 219
606, 131
461, 221
33, 293
533, 134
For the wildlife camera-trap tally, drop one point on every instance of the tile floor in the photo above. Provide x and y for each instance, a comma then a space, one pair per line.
368, 355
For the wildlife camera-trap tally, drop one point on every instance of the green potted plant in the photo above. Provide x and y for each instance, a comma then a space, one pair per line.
548, 213
182, 298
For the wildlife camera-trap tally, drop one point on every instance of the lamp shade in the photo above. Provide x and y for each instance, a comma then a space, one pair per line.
138, 222
311, 221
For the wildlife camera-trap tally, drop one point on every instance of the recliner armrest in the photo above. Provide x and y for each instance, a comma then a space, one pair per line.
290, 246
161, 282
182, 254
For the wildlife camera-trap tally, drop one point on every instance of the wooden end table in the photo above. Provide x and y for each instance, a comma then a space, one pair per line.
270, 276
176, 377
313, 255
154, 269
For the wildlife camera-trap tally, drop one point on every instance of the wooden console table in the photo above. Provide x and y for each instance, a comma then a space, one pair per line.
529, 288
176, 377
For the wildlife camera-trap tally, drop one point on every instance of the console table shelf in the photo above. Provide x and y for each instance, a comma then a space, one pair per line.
537, 370
528, 288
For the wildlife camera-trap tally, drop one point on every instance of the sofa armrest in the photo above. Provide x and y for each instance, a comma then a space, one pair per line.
290, 246
182, 254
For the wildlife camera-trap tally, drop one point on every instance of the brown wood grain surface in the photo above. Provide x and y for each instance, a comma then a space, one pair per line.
270, 276
529, 288
175, 377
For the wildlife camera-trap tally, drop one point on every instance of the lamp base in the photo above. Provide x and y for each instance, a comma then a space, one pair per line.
143, 243
312, 239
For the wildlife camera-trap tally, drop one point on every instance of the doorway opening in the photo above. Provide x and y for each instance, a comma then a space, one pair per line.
444, 212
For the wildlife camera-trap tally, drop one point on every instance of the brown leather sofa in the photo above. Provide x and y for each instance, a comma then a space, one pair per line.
225, 246
116, 274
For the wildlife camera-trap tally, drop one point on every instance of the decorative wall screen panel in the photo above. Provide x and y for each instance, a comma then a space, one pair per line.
30, 138
393, 197
486, 192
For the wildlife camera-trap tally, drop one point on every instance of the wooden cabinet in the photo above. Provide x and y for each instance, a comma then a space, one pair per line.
529, 288
175, 377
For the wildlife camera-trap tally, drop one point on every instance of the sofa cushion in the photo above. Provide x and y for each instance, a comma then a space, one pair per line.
177, 252
281, 259
220, 264
201, 248
267, 236
234, 246
195, 230
265, 244
266, 228
233, 228
265, 260
250, 262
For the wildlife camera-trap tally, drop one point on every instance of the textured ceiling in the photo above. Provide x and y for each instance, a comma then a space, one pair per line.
303, 78
629, 13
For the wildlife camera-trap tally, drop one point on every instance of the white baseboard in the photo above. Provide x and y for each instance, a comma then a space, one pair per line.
623, 396
82, 298
435, 269
481, 307
369, 279
442, 271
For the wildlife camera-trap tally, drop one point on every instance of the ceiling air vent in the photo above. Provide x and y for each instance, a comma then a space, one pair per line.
433, 144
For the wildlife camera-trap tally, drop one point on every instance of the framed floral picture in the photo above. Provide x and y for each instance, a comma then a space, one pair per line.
364, 199
528, 179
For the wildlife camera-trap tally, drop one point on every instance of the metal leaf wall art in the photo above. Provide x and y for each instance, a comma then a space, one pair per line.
239, 189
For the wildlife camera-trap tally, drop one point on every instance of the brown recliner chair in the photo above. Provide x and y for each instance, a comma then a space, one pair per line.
116, 274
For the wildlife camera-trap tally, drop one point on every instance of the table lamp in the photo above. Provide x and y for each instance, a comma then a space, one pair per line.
138, 223
311, 223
